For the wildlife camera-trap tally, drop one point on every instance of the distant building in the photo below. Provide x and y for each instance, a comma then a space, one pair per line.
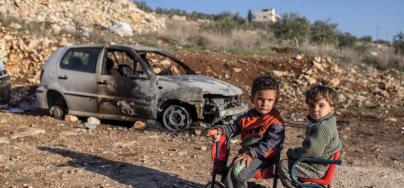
266, 15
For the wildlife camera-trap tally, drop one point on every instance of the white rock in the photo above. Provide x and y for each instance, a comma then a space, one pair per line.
392, 119
299, 57
56, 28
4, 140
122, 29
93, 120
341, 98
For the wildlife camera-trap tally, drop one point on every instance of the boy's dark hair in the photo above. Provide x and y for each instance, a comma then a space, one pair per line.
264, 83
319, 92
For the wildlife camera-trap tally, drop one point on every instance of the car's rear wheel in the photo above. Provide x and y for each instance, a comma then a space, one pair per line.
57, 105
57, 112
176, 118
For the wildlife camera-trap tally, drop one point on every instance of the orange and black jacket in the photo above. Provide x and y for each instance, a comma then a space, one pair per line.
261, 134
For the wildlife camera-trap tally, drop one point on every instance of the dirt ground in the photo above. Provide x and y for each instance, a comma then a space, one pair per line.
39, 151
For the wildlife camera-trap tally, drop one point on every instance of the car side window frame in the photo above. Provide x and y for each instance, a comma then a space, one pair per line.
133, 56
92, 58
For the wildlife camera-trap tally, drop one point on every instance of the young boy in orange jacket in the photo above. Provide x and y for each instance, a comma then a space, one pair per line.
261, 129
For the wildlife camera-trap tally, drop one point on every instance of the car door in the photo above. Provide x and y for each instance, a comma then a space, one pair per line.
124, 86
77, 77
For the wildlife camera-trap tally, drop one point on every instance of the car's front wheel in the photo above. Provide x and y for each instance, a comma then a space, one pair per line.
176, 118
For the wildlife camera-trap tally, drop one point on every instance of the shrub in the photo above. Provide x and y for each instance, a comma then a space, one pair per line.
199, 40
292, 27
142, 5
346, 40
224, 23
380, 41
398, 43
366, 39
323, 32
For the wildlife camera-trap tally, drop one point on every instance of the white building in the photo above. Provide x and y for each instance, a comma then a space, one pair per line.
266, 15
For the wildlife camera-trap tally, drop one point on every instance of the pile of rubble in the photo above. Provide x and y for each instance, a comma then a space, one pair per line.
24, 55
358, 86
24, 51
81, 15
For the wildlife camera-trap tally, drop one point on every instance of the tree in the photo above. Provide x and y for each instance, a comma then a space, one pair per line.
292, 27
383, 42
249, 16
398, 43
366, 39
142, 6
324, 32
346, 40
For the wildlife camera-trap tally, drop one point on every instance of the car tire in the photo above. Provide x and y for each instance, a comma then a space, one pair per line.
57, 112
176, 118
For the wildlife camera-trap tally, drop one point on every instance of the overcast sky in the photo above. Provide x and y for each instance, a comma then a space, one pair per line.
381, 19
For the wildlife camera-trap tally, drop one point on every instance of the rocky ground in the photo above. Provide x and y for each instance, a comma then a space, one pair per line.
39, 151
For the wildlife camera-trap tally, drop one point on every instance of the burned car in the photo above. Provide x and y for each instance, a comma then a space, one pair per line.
4, 84
122, 82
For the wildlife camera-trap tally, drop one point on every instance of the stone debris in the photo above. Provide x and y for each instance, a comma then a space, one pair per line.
74, 16
4, 140
25, 52
92, 123
203, 148
236, 70
197, 132
28, 132
93, 120
242, 61
71, 118
139, 125
392, 119
299, 57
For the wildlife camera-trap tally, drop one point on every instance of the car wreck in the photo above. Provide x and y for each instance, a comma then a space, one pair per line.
123, 82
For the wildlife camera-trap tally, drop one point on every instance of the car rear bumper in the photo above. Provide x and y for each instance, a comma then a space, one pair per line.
41, 97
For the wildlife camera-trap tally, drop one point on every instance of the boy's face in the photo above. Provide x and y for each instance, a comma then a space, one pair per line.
264, 100
319, 109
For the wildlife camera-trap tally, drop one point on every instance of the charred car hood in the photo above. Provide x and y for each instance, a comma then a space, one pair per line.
207, 84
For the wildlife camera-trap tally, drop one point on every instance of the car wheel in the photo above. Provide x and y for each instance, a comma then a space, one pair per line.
57, 112
216, 185
176, 118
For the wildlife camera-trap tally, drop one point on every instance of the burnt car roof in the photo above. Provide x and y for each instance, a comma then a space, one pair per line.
135, 47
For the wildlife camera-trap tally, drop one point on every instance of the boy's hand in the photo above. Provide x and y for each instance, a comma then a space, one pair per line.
244, 158
215, 134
